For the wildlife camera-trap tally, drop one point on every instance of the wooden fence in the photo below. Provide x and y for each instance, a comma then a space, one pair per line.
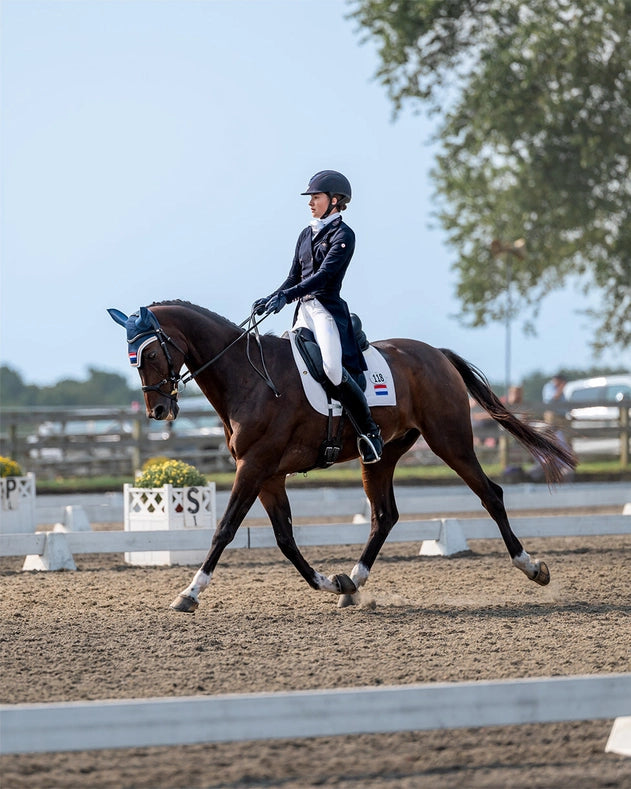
55, 442
88, 442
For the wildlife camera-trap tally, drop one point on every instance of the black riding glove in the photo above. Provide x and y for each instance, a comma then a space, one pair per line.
276, 302
258, 308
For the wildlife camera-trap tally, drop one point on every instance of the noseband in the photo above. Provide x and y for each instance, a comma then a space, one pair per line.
173, 379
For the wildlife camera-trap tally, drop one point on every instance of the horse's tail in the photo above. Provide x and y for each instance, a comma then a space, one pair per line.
543, 443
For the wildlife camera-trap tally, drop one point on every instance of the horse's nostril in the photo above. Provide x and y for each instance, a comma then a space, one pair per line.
158, 412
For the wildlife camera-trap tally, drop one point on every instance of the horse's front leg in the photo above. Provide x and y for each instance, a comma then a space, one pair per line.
274, 499
244, 492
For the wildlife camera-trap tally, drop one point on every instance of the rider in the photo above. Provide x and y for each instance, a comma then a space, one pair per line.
323, 253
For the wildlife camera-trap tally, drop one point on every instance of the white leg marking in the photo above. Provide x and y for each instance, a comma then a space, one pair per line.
198, 584
324, 585
359, 574
526, 565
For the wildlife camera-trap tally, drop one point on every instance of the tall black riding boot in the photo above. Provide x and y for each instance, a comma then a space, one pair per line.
369, 441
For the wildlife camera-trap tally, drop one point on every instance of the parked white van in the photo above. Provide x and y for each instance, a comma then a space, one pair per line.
605, 389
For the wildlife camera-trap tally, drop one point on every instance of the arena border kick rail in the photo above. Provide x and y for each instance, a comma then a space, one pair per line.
130, 723
54, 550
84, 725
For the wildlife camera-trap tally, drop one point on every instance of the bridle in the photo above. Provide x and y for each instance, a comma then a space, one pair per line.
175, 379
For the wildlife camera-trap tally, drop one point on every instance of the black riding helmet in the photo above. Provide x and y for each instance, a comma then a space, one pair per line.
329, 182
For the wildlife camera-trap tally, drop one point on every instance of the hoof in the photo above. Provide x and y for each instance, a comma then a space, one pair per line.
343, 583
344, 600
184, 604
543, 575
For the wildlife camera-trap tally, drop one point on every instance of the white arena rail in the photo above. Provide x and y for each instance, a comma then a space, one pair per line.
427, 500
447, 535
131, 723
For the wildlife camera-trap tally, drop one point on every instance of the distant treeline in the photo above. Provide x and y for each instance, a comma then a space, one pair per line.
106, 388
100, 388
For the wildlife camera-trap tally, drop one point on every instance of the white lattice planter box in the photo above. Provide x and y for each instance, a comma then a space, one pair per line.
17, 505
150, 509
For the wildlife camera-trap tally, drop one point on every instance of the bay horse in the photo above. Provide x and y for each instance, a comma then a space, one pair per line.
272, 431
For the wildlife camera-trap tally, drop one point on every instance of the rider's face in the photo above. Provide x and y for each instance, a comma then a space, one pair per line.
318, 204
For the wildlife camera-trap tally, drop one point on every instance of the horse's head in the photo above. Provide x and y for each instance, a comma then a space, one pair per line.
158, 359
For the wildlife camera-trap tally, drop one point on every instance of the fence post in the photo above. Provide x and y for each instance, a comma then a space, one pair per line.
624, 436
503, 448
14, 449
136, 461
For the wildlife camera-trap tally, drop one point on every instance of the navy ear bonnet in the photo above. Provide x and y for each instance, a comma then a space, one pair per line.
142, 329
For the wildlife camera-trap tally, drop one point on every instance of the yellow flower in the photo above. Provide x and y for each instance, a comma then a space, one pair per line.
172, 472
9, 468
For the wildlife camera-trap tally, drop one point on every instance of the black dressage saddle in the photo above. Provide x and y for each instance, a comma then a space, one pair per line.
312, 356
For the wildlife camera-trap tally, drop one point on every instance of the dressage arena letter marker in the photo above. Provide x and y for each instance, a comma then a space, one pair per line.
10, 497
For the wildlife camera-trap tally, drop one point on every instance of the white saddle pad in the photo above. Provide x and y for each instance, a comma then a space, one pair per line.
379, 382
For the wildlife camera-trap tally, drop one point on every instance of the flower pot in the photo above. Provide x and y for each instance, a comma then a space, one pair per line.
151, 509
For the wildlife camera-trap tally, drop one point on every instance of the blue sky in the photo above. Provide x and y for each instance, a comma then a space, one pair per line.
156, 149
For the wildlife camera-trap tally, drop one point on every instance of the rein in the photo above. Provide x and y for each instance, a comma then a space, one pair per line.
175, 379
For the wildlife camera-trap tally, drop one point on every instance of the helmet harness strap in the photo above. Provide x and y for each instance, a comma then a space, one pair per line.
330, 207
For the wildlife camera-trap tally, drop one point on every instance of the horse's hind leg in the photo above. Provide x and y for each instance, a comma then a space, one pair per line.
273, 497
455, 447
537, 570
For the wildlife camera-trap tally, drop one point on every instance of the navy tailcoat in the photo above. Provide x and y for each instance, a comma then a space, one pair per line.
318, 269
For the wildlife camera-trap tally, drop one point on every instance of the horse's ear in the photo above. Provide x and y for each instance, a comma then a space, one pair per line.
118, 316
147, 320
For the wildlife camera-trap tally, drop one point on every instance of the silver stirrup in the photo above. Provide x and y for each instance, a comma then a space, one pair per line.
364, 439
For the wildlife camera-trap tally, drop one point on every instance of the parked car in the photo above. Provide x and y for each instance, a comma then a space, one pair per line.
614, 389
184, 427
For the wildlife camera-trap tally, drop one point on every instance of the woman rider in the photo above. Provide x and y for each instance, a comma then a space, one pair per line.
323, 253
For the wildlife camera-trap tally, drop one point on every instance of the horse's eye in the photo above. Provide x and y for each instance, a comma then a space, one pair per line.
153, 355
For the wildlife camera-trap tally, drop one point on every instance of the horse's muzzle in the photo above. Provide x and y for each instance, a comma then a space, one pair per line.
164, 413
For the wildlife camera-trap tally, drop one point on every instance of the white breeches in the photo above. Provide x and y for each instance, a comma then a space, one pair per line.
312, 315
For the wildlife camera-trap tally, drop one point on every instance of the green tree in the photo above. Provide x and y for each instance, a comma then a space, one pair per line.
11, 385
13, 390
534, 101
